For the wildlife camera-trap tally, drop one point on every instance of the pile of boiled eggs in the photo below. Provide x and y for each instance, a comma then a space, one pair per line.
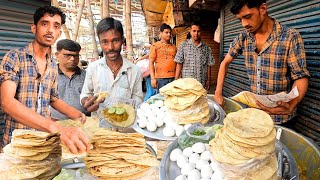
196, 163
153, 116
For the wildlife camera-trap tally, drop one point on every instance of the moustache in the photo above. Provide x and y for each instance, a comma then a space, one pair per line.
48, 35
247, 27
112, 51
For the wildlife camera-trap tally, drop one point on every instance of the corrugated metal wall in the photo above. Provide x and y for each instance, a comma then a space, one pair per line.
303, 16
16, 18
207, 36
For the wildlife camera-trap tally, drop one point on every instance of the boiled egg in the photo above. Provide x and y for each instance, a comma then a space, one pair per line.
206, 171
174, 154
206, 155
187, 151
198, 147
194, 175
194, 158
159, 103
186, 168
181, 177
151, 126
168, 131
142, 123
201, 163
158, 121
182, 160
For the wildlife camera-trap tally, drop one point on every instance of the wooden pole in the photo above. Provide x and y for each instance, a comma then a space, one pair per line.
64, 27
93, 34
105, 8
76, 29
128, 30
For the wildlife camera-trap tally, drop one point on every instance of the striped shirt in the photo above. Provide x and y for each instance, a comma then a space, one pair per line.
195, 60
33, 91
281, 60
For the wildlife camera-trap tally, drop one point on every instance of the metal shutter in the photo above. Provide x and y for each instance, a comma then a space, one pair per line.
305, 17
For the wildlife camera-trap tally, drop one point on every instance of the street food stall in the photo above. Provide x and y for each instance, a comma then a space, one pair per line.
195, 139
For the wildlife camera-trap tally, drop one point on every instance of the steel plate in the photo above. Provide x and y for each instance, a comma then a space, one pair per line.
217, 115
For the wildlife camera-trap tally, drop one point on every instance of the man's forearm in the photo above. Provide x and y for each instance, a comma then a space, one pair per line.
222, 73
26, 116
209, 73
151, 69
178, 70
302, 85
66, 109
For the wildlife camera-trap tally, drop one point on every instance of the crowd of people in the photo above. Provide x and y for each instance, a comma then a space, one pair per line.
36, 92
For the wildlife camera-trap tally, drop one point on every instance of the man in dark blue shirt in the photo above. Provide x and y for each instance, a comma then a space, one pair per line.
70, 76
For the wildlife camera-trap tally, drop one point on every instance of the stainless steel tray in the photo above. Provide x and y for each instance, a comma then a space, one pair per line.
169, 170
217, 115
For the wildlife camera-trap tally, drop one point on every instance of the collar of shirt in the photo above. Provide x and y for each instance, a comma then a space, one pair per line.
189, 41
125, 64
77, 72
276, 32
30, 52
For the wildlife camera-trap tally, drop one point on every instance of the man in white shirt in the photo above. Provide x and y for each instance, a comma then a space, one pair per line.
112, 73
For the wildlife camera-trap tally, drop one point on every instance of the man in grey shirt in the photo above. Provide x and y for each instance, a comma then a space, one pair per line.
194, 58
70, 76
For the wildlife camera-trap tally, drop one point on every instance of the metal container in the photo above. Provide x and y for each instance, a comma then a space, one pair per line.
230, 105
169, 170
305, 152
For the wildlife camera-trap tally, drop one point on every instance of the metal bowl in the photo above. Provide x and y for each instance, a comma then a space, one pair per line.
230, 105
305, 152
169, 170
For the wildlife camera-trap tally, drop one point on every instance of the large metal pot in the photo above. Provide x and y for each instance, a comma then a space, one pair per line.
305, 152
230, 105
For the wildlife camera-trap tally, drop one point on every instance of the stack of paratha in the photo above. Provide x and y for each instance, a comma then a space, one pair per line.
187, 101
32, 155
246, 143
119, 155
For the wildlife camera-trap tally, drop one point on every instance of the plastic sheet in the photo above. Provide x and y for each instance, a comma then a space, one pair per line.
240, 172
187, 138
14, 168
110, 102
71, 174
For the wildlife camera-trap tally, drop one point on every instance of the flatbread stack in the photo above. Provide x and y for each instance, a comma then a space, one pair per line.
32, 155
245, 145
119, 156
187, 101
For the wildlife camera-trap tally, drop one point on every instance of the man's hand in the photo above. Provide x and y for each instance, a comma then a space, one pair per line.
83, 118
89, 103
207, 86
283, 108
219, 98
154, 83
75, 139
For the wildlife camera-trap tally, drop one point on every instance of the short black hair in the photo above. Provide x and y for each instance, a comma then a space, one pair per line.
107, 24
164, 26
69, 45
84, 63
50, 10
238, 4
195, 23
188, 35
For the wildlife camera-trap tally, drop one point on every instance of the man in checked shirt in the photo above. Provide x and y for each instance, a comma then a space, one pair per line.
28, 78
274, 57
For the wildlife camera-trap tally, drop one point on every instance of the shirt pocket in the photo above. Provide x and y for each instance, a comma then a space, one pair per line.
121, 92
